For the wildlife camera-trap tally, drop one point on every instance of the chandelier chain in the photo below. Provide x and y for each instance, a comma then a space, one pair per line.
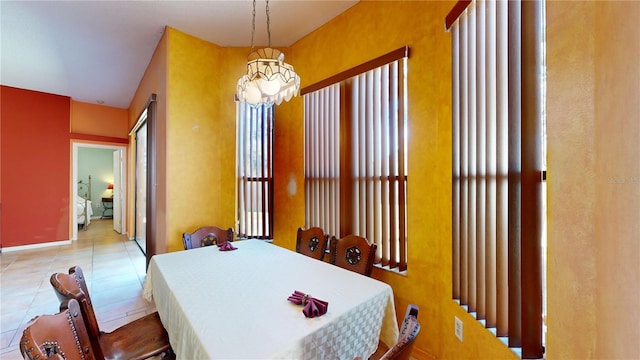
269, 80
253, 24
268, 23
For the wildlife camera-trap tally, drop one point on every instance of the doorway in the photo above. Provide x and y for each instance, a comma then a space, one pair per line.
107, 184
143, 136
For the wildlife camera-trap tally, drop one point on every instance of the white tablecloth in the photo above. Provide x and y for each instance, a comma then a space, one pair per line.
233, 305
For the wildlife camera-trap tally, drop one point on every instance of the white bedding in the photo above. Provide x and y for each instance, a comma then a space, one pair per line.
80, 209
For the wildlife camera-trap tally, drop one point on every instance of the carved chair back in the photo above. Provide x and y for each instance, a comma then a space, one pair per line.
408, 333
205, 236
139, 339
354, 253
73, 286
312, 242
59, 336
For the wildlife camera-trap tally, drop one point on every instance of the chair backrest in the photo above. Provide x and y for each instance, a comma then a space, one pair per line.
205, 236
312, 242
408, 333
354, 253
73, 286
59, 336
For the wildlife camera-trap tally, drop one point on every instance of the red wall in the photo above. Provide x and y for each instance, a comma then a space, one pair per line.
34, 167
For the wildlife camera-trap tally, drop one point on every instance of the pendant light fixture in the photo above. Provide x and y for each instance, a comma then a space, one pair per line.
269, 79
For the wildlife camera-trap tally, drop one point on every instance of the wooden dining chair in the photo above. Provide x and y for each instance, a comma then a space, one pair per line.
312, 242
408, 333
139, 339
354, 253
205, 236
60, 336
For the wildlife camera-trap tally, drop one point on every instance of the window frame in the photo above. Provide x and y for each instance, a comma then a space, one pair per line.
352, 182
498, 209
254, 171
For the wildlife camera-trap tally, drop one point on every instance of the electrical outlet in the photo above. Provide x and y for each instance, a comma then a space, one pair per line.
458, 328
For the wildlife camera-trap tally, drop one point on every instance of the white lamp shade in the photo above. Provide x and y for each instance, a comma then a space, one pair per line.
269, 79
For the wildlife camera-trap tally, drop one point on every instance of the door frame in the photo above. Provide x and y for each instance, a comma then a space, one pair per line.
150, 107
76, 145
119, 163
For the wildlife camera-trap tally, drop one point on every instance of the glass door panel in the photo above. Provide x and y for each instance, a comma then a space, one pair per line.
141, 187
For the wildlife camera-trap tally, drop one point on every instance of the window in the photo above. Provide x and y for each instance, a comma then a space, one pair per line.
255, 171
355, 156
498, 166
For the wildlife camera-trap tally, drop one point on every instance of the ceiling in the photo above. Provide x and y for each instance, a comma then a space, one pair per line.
97, 51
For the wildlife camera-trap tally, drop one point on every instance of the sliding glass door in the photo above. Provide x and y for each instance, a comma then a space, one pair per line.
141, 185
144, 200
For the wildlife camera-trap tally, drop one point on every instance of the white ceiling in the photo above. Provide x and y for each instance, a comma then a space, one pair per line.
98, 50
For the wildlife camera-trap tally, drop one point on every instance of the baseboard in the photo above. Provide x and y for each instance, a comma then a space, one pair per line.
35, 246
420, 354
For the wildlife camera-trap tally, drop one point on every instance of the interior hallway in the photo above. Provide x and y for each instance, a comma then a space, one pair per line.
114, 268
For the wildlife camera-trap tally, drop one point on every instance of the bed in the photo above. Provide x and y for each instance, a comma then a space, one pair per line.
84, 208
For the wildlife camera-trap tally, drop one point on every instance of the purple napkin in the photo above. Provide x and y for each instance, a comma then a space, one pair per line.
312, 307
226, 246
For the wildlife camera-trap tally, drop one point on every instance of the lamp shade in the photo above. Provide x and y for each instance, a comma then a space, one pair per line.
110, 186
269, 80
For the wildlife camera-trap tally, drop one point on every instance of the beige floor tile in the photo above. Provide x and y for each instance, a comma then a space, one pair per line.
113, 268
11, 354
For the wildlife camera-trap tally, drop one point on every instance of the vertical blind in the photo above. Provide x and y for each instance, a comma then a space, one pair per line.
355, 159
255, 171
322, 159
497, 123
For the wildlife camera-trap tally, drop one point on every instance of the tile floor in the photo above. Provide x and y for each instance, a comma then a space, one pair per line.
114, 268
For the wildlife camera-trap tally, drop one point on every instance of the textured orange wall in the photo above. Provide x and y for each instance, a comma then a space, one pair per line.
571, 139
365, 31
154, 81
195, 82
288, 164
100, 120
617, 143
594, 180
200, 142
594, 187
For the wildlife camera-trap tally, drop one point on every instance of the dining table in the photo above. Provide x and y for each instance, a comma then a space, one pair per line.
234, 304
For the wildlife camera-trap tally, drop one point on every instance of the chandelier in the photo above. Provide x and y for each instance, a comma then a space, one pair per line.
269, 79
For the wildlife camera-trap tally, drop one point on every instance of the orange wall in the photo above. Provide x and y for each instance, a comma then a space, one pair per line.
200, 141
93, 119
589, 125
571, 135
593, 131
617, 143
154, 81
35, 167
195, 83
288, 161
365, 31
